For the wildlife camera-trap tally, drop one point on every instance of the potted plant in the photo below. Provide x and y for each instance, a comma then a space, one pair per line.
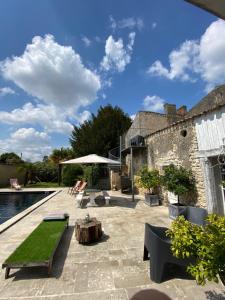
150, 180
206, 244
179, 181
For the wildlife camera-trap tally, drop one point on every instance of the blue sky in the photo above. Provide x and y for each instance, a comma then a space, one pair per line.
61, 60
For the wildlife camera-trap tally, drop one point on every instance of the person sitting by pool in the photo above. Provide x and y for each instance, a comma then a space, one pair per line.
14, 184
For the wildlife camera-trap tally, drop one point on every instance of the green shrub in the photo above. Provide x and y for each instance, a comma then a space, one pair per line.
206, 244
71, 173
46, 172
91, 175
149, 179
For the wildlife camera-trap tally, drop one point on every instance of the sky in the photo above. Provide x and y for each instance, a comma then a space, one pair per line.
60, 60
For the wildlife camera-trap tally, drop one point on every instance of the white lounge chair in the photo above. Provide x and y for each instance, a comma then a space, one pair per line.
14, 184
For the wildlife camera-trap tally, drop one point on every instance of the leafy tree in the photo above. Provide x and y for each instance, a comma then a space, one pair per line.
10, 158
45, 159
178, 180
61, 155
149, 179
30, 172
101, 133
46, 171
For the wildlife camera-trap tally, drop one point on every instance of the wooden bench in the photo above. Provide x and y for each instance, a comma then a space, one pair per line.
38, 249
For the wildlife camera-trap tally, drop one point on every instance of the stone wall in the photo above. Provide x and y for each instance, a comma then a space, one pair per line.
177, 144
145, 123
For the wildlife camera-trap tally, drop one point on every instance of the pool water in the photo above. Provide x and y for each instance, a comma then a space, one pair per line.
12, 203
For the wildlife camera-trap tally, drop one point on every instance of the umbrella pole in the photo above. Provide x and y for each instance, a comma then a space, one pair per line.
132, 173
59, 174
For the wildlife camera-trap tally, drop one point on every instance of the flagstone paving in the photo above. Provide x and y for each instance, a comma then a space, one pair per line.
111, 269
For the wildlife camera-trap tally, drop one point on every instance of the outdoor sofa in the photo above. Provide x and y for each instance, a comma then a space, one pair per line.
38, 249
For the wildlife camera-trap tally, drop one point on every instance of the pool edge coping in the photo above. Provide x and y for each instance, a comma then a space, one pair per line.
9, 223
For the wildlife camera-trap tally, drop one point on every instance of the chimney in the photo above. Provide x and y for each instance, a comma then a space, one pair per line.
170, 109
170, 112
182, 111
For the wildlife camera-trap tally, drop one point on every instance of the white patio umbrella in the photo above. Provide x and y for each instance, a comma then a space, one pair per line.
91, 159
88, 159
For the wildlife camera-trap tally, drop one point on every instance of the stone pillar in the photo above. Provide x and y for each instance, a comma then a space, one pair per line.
209, 184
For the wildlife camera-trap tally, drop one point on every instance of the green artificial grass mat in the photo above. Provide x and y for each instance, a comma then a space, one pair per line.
40, 244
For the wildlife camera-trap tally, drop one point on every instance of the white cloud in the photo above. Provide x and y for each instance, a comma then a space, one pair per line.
117, 56
113, 24
204, 57
154, 25
84, 116
132, 116
6, 90
130, 23
211, 54
181, 60
31, 143
49, 117
86, 41
153, 103
53, 73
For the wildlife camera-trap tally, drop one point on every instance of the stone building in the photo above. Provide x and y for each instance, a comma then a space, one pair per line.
145, 123
194, 140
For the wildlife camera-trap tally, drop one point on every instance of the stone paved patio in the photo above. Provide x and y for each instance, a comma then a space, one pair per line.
111, 269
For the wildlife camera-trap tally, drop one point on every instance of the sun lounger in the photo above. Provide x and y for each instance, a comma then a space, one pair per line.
38, 249
74, 188
14, 184
81, 187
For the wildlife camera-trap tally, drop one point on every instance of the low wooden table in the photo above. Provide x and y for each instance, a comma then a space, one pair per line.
88, 232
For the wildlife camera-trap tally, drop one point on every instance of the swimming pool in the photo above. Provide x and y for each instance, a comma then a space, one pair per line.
12, 203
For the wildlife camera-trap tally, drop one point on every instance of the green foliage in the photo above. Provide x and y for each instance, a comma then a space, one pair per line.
46, 171
149, 179
178, 180
91, 175
10, 158
101, 133
71, 173
62, 154
206, 244
30, 172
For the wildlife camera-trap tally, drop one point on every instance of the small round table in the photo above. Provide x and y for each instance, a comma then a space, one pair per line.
92, 195
88, 232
